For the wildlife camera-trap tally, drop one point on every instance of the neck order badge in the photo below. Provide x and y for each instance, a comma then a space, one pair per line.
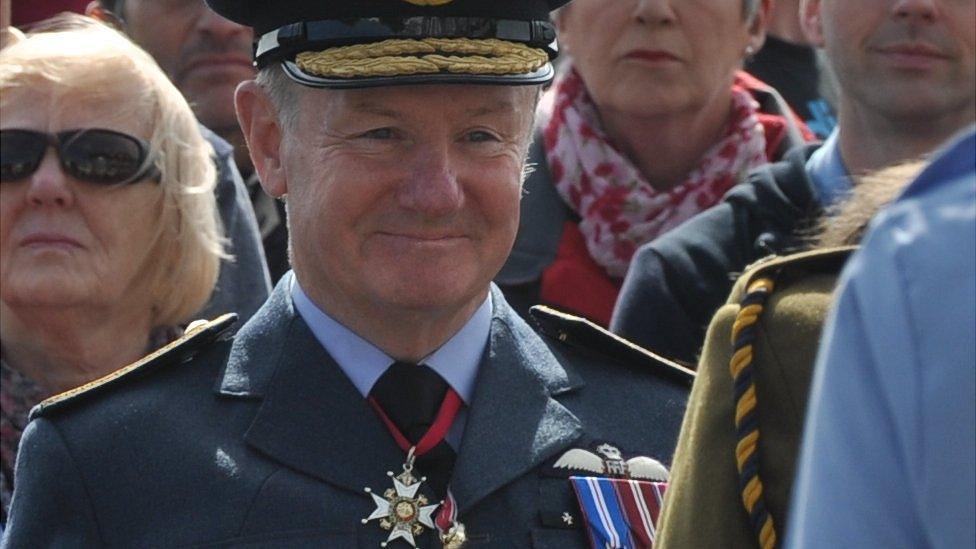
401, 509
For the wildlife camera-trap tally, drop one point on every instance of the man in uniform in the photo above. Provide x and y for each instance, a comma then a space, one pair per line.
386, 393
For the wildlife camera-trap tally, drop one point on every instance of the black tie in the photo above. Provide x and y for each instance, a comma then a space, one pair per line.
411, 395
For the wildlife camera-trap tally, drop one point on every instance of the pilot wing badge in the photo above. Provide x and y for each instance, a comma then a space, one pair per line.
620, 499
610, 462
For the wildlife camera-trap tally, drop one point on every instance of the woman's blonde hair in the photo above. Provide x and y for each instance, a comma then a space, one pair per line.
79, 61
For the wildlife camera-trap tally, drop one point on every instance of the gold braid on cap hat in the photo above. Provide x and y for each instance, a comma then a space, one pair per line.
396, 57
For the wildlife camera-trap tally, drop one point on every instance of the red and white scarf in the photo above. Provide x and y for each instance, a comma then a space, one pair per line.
619, 209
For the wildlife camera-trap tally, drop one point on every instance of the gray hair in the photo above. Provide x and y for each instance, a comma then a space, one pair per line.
282, 91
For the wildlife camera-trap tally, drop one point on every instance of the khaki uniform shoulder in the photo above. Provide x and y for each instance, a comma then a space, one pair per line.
579, 332
199, 335
826, 260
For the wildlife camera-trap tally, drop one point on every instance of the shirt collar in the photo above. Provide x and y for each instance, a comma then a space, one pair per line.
831, 180
363, 363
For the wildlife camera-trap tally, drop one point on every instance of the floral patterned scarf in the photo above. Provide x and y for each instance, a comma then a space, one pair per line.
619, 209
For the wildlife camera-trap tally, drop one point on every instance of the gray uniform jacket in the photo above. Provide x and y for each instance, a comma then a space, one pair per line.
243, 283
262, 441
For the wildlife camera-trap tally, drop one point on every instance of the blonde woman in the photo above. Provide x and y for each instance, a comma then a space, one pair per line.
109, 234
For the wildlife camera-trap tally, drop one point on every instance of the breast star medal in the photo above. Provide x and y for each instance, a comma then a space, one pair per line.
400, 509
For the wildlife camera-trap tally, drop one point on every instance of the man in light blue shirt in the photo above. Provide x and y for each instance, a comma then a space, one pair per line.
889, 456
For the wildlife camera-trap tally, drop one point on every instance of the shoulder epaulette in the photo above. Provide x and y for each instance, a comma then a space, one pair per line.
825, 260
822, 259
198, 335
574, 330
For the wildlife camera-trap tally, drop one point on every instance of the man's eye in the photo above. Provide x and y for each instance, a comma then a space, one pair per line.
378, 133
481, 136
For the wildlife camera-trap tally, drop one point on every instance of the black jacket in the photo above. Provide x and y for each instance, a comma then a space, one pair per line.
677, 282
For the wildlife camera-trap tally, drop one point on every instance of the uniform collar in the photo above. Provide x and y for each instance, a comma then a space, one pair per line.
363, 363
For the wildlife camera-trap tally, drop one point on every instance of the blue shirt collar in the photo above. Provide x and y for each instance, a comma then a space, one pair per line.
826, 169
456, 361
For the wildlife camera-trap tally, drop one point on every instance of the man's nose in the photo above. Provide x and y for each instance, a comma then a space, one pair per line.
49, 185
432, 187
916, 10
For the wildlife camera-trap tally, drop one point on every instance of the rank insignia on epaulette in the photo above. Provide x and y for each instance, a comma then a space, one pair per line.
197, 336
619, 513
608, 460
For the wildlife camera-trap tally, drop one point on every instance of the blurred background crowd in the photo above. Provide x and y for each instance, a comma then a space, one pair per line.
778, 194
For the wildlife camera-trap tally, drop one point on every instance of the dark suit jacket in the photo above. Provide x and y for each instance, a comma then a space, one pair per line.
261, 440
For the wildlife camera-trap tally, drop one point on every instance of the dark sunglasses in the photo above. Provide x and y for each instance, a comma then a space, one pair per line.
104, 157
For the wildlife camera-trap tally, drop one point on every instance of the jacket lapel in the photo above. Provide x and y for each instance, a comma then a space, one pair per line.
514, 423
311, 418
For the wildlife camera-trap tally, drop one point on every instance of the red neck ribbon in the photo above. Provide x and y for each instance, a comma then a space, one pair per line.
438, 430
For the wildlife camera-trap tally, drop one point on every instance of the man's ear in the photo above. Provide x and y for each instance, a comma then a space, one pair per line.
262, 131
757, 27
96, 11
811, 21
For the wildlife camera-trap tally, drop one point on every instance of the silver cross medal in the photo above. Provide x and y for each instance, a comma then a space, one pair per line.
400, 509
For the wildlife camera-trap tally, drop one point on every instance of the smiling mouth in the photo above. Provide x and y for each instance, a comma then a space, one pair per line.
420, 241
48, 241
424, 237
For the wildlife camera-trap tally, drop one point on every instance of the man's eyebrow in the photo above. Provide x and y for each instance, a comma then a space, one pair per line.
375, 108
502, 105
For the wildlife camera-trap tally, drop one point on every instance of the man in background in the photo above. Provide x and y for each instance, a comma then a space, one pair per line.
206, 56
